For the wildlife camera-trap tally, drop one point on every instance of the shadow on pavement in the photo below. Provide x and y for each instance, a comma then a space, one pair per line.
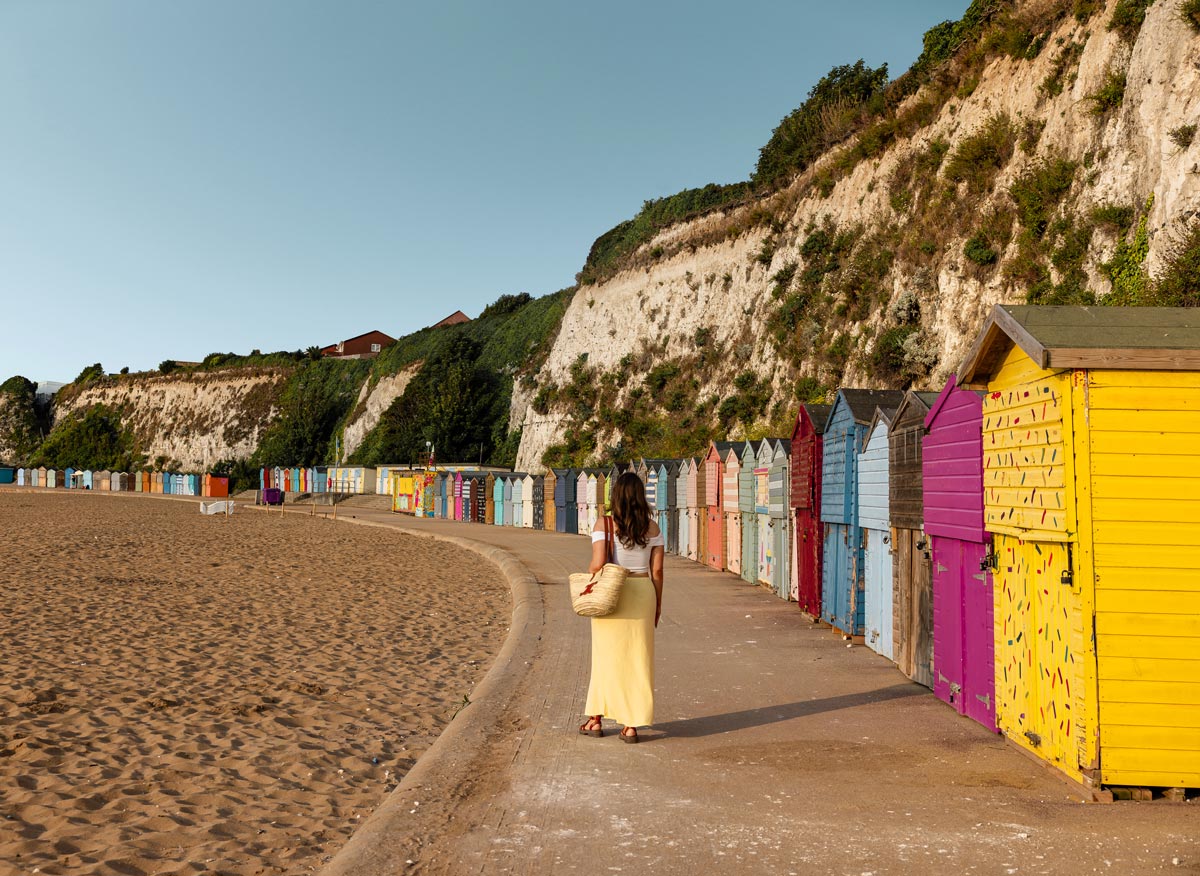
711, 725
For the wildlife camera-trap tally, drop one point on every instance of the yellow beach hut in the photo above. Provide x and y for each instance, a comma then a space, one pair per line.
1091, 443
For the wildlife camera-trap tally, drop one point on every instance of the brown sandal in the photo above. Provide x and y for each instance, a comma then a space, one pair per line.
631, 737
586, 729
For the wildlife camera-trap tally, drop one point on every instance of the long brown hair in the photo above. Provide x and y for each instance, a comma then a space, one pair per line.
630, 511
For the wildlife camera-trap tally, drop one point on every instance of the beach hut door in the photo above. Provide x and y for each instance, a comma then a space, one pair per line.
1040, 652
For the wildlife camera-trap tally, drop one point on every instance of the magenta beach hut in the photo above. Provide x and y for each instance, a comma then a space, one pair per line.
952, 493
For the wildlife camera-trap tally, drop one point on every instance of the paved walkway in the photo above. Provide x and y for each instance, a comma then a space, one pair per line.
778, 750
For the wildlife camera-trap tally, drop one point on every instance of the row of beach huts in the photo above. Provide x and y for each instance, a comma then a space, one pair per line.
161, 482
1026, 541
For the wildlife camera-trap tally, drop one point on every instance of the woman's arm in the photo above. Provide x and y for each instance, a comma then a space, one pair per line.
598, 553
656, 577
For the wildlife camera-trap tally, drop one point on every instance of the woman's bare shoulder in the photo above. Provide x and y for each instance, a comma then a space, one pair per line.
599, 527
653, 531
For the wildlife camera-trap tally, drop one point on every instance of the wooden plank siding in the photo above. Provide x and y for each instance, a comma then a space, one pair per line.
806, 503
1144, 447
878, 590
1025, 455
963, 601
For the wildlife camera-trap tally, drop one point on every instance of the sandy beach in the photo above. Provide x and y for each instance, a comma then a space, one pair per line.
183, 694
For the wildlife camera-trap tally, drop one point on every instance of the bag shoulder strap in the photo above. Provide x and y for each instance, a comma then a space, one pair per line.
610, 552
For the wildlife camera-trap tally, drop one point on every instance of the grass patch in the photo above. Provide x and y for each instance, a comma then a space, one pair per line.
1184, 134
1110, 95
1039, 191
1063, 69
982, 155
1128, 17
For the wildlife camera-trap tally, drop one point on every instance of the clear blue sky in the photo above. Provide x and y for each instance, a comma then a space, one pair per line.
179, 178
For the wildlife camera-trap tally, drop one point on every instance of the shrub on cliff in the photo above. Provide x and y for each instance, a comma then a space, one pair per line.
315, 398
20, 431
835, 106
94, 439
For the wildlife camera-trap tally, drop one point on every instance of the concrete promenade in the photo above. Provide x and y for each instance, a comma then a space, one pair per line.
777, 749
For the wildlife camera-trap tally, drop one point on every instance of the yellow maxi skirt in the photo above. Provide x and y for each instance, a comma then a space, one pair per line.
622, 686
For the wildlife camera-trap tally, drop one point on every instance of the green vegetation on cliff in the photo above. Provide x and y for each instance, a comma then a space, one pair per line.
20, 429
93, 439
460, 397
316, 397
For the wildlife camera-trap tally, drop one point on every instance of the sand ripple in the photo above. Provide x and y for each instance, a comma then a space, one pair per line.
183, 694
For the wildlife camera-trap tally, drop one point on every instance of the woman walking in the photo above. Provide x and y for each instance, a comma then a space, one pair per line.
622, 685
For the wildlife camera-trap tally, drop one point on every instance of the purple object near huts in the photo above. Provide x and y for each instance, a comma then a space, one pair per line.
963, 638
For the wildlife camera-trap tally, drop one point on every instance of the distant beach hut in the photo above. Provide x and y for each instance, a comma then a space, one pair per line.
502, 510
911, 549
400, 488
762, 513
603, 493
468, 501
564, 500
528, 501
746, 510
22, 477
582, 505
664, 504
145, 481
8, 475
479, 496
72, 479
516, 484
779, 482
352, 479
680, 524
439, 494
714, 548
805, 472
489, 493
873, 519
730, 471
610, 477
53, 479
216, 486
538, 509
116, 481
102, 480
549, 485
696, 510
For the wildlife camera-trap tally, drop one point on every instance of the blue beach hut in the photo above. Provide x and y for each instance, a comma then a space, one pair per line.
498, 498
842, 575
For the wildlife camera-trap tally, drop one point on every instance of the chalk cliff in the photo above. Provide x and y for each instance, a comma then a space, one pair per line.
1010, 176
192, 419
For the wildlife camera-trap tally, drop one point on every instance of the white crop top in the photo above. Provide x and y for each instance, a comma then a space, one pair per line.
636, 559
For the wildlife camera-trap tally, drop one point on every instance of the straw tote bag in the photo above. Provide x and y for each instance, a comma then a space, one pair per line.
597, 595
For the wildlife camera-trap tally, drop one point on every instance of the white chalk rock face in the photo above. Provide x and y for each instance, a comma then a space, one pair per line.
692, 277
